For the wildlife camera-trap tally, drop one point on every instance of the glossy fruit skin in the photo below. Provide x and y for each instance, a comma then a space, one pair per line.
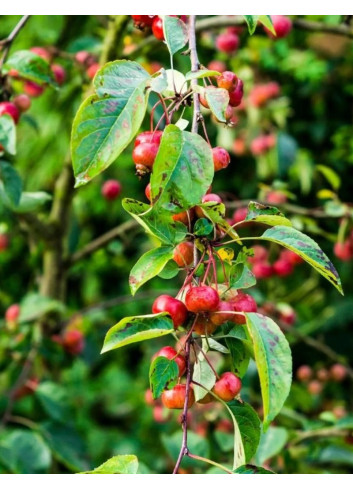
221, 158
148, 137
175, 398
59, 73
243, 303
227, 42
183, 254
111, 189
236, 95
171, 354
227, 387
282, 25
12, 313
157, 28
10, 109
33, 89
145, 154
304, 373
22, 102
218, 317
148, 192
73, 341
201, 299
175, 308
204, 326
283, 268
227, 80
82, 57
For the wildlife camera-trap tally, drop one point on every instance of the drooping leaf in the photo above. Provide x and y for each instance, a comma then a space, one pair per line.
24, 452
218, 101
175, 33
7, 134
271, 443
307, 248
240, 356
192, 75
204, 375
137, 328
30, 66
54, 400
274, 363
266, 215
107, 121
251, 21
29, 201
148, 266
267, 22
162, 372
241, 277
252, 469
182, 172
249, 426
12, 182
158, 224
215, 212
120, 464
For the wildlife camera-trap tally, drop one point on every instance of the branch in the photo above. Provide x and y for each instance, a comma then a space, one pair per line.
6, 43
295, 209
195, 66
96, 244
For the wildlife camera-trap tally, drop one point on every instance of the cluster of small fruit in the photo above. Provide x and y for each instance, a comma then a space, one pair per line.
235, 87
153, 22
344, 249
203, 310
316, 380
283, 266
89, 63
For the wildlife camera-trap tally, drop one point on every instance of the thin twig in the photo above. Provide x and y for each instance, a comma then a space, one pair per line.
10, 39
195, 65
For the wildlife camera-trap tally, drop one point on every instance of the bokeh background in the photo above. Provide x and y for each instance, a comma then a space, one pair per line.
76, 407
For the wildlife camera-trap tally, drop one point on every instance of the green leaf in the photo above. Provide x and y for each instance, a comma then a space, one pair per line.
120, 464
197, 444
182, 172
30, 66
175, 83
12, 182
108, 121
34, 306
307, 248
274, 363
54, 400
65, 444
7, 134
137, 328
240, 356
215, 345
249, 426
148, 266
203, 374
241, 277
218, 101
175, 33
271, 443
252, 469
24, 452
159, 81
203, 227
216, 212
192, 75
267, 22
171, 270
162, 371
29, 201
287, 149
158, 224
251, 21
267, 215
331, 176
